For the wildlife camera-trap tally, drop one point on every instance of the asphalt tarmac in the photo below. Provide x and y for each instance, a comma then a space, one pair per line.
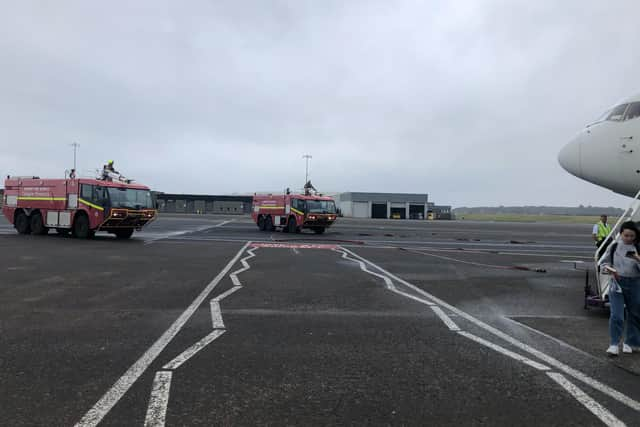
205, 320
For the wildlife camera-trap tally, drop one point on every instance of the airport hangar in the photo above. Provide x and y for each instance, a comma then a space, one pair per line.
390, 206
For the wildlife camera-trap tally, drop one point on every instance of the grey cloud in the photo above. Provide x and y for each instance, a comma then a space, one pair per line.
469, 101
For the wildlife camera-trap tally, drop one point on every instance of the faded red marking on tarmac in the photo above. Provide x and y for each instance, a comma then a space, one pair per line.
294, 246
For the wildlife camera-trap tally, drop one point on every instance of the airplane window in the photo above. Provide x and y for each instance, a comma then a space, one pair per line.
603, 116
633, 111
617, 113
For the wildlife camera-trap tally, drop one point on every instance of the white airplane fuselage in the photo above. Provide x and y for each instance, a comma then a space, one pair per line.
607, 152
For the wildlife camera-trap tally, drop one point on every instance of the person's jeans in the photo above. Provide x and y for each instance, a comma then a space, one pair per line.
630, 297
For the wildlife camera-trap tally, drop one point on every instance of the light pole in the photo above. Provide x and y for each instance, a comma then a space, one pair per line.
75, 146
307, 157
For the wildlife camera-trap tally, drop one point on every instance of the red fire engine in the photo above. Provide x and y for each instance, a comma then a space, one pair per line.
293, 212
79, 206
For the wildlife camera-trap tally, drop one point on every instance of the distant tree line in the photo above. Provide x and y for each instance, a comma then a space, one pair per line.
540, 210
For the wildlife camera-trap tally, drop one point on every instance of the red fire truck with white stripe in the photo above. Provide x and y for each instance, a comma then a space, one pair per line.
79, 206
293, 212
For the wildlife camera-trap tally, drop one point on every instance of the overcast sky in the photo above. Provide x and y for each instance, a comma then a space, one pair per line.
469, 101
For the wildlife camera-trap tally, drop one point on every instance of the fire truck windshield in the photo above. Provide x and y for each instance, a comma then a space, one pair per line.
130, 198
321, 206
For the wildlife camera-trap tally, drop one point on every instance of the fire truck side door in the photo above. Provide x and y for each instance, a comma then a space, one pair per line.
100, 196
298, 206
93, 196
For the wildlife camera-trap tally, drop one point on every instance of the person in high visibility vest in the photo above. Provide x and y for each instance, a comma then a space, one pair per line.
600, 232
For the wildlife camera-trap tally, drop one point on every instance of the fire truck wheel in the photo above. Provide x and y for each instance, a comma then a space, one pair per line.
268, 224
124, 233
22, 223
81, 227
292, 227
318, 230
261, 223
37, 226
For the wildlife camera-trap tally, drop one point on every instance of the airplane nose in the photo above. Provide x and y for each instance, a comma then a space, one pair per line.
569, 158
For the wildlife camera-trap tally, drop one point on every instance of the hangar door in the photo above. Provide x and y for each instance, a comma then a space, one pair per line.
379, 210
398, 211
361, 209
416, 211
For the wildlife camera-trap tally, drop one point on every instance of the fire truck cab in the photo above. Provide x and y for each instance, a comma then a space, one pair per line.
80, 206
293, 212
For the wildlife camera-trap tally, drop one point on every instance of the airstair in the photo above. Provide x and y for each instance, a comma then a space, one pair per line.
598, 297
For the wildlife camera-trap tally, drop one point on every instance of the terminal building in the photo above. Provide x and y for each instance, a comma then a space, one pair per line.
203, 204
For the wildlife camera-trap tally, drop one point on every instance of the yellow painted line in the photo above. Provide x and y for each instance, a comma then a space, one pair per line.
44, 199
271, 207
297, 211
84, 202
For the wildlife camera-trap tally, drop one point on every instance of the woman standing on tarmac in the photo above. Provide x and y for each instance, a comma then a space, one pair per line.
622, 260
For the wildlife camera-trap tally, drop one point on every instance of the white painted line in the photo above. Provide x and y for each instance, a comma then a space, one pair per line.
216, 315
122, 385
295, 251
175, 234
594, 407
502, 246
234, 276
545, 316
413, 297
534, 254
193, 350
446, 319
252, 254
159, 400
592, 382
226, 293
363, 267
458, 250
504, 351
552, 338
388, 283
235, 281
461, 261
222, 224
